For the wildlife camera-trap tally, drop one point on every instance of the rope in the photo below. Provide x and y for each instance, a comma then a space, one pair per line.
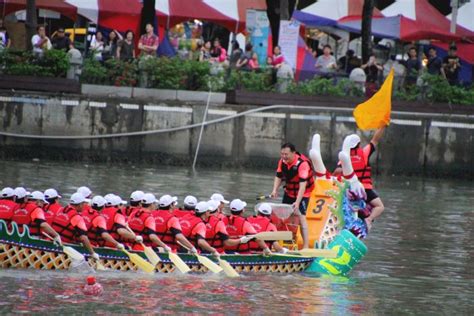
165, 130
202, 129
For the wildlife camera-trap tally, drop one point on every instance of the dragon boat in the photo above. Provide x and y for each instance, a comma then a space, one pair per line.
328, 213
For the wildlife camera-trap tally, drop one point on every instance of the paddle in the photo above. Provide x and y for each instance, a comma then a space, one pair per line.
76, 255
228, 269
270, 236
179, 263
149, 252
263, 197
311, 252
140, 262
209, 264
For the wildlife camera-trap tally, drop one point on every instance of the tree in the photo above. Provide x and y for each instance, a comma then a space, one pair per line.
31, 22
367, 12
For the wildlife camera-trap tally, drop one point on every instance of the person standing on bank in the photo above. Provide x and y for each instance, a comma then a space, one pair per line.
297, 172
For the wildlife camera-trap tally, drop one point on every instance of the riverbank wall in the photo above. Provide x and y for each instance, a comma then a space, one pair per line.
163, 127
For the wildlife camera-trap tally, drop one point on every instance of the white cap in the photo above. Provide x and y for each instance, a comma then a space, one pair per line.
219, 198
20, 192
77, 198
7, 192
37, 195
201, 207
351, 141
237, 205
149, 198
137, 196
117, 200
98, 201
109, 197
85, 191
190, 201
167, 200
265, 209
213, 205
51, 194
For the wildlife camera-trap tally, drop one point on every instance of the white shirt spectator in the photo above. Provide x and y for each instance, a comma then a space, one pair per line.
39, 50
98, 47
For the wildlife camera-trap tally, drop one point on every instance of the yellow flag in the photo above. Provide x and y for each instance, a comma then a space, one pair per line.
375, 112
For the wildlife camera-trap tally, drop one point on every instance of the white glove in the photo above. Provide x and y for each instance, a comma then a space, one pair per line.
120, 246
267, 251
95, 256
193, 251
167, 249
246, 239
57, 240
139, 239
216, 254
284, 250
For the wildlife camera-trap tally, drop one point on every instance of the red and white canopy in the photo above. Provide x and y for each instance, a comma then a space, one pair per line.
429, 22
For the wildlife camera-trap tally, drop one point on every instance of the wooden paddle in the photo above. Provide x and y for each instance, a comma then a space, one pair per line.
179, 263
140, 262
278, 235
311, 252
149, 252
228, 269
208, 263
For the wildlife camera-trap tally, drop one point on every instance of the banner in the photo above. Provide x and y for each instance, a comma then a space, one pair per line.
258, 28
288, 41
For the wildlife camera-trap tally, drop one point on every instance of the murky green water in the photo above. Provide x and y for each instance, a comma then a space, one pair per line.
420, 258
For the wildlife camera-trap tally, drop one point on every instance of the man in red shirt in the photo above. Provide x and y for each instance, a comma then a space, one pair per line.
148, 43
297, 172
7, 204
53, 206
262, 223
222, 203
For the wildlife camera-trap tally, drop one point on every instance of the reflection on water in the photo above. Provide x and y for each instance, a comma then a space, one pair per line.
419, 260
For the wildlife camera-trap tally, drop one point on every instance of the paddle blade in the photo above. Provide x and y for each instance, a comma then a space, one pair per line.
278, 235
209, 264
179, 263
99, 266
324, 253
152, 256
140, 262
73, 253
228, 269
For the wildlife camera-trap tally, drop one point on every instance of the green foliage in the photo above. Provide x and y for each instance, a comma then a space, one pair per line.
54, 63
249, 80
122, 73
321, 86
94, 72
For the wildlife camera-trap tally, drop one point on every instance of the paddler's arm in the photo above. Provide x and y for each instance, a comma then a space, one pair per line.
85, 241
50, 231
377, 136
157, 241
183, 240
276, 185
203, 244
107, 237
126, 234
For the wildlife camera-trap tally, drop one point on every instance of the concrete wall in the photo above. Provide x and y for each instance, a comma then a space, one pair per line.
415, 143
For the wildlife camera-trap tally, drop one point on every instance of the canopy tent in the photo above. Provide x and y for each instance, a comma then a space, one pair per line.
430, 23
330, 12
61, 6
465, 16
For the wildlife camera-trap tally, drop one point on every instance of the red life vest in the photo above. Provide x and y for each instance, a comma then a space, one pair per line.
7, 207
92, 233
235, 228
162, 217
188, 223
50, 211
260, 223
136, 222
109, 214
130, 209
362, 169
292, 180
62, 224
22, 216
211, 234
182, 213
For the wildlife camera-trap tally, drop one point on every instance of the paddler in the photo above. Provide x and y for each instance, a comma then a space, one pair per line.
222, 203
167, 225
97, 226
360, 158
262, 223
134, 202
70, 224
53, 206
31, 213
142, 223
238, 226
7, 204
297, 172
189, 204
115, 221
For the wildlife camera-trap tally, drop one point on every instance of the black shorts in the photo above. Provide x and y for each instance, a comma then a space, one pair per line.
371, 195
303, 205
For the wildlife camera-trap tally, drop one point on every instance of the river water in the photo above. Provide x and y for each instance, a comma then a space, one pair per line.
420, 259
